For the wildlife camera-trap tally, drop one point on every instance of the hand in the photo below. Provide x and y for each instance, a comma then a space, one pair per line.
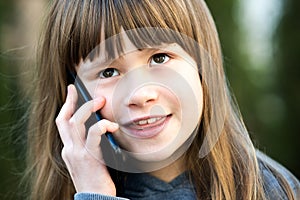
81, 152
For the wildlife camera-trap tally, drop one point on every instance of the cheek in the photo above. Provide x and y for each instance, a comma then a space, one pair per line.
171, 98
106, 110
193, 98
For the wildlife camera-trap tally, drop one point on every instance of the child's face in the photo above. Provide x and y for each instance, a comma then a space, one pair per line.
154, 94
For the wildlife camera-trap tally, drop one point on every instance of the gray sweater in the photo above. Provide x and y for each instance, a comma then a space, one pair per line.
147, 187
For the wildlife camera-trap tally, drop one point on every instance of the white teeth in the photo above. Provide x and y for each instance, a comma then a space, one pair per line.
142, 122
149, 121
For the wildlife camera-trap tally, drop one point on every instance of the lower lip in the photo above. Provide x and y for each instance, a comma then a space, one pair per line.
147, 132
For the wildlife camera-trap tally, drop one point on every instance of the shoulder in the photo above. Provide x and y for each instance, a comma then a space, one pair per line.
274, 175
94, 196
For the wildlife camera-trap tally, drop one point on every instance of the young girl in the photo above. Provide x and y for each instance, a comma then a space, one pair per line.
154, 71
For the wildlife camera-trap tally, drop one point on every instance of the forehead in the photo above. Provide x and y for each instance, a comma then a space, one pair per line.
127, 42
137, 39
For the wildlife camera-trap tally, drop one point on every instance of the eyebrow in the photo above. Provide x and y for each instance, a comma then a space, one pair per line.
103, 61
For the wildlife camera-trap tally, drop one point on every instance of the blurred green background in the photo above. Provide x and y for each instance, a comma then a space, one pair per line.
261, 46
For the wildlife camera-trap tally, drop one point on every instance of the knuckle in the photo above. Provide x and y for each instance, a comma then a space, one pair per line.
69, 153
64, 154
103, 122
103, 126
73, 121
94, 130
58, 121
87, 106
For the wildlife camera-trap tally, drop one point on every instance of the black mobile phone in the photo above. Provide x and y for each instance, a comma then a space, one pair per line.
85, 96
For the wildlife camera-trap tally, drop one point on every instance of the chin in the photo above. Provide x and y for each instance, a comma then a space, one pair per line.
153, 156
148, 162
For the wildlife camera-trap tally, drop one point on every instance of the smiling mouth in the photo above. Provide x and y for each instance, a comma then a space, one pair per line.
147, 127
148, 121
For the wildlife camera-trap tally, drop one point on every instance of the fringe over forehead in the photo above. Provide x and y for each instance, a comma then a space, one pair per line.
79, 26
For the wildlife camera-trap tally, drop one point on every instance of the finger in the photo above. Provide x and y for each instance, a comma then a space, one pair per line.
69, 106
97, 130
66, 112
79, 118
85, 111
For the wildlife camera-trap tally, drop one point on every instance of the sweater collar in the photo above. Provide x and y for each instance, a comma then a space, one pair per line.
143, 184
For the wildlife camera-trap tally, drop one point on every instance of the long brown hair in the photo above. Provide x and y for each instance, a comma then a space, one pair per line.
229, 170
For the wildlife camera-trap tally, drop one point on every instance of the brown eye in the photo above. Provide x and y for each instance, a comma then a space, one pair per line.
159, 58
109, 72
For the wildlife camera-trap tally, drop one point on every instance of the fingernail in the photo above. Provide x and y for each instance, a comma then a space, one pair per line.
97, 102
115, 125
98, 99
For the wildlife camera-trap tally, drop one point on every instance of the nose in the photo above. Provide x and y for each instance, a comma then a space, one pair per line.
144, 96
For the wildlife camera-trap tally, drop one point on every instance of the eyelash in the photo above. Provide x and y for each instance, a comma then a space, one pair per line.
151, 62
159, 54
110, 68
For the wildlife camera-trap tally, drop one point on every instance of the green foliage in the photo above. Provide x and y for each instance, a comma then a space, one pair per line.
287, 56
11, 152
269, 100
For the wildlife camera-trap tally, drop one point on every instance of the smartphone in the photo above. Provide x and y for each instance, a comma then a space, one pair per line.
85, 96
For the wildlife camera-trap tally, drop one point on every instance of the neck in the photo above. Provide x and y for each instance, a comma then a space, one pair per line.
171, 171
